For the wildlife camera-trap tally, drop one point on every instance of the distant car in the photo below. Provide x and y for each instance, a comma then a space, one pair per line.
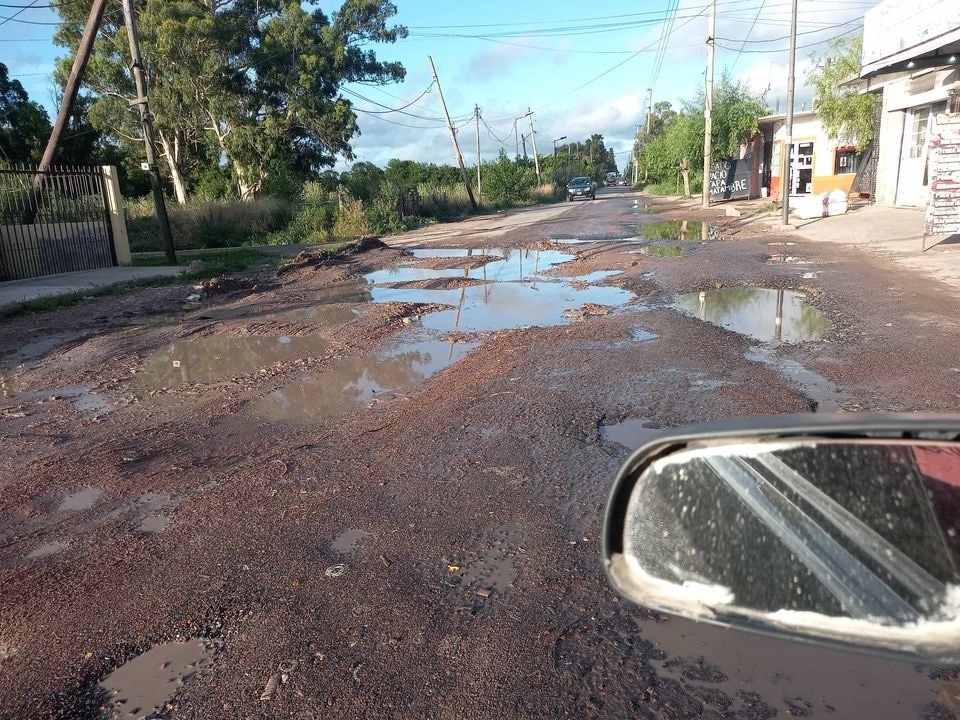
583, 188
622, 181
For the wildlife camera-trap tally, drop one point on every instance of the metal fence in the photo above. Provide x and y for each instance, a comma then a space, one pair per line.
53, 221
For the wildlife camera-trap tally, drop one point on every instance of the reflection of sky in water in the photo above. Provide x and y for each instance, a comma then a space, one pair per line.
349, 383
515, 265
501, 306
753, 312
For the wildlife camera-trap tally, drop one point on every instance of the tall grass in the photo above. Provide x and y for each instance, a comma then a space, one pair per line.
208, 224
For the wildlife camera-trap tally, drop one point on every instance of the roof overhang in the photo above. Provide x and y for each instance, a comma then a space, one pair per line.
940, 52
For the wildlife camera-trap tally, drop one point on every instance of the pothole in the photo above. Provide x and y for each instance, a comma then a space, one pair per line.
349, 541
630, 433
143, 685
221, 356
827, 395
80, 500
352, 382
48, 548
761, 313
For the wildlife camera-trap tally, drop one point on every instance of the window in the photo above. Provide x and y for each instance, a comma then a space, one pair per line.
918, 131
846, 161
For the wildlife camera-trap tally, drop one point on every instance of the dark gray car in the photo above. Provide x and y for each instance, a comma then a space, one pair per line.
582, 188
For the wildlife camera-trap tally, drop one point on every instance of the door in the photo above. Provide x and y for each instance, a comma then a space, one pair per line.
801, 168
911, 188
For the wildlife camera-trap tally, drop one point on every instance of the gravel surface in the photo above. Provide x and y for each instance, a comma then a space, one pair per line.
423, 546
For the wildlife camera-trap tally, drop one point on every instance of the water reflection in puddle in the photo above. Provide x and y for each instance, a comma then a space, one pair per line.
640, 335
662, 250
761, 313
508, 265
220, 356
81, 396
349, 383
680, 231
141, 686
631, 433
503, 306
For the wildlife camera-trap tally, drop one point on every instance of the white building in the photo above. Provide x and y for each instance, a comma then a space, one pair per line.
910, 54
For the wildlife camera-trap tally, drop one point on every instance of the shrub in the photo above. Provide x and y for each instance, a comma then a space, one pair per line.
506, 181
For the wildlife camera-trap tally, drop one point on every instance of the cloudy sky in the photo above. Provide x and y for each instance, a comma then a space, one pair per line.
581, 67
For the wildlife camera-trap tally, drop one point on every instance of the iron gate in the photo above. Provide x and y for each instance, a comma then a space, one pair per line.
53, 221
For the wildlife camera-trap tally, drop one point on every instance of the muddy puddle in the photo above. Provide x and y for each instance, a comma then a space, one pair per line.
353, 382
349, 541
761, 313
80, 500
630, 433
217, 357
81, 397
143, 685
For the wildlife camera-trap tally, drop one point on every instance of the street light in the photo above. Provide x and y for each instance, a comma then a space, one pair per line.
555, 144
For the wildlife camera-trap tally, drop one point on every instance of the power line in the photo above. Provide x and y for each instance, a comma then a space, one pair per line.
394, 122
664, 42
392, 110
787, 37
799, 47
5, 20
752, 26
387, 108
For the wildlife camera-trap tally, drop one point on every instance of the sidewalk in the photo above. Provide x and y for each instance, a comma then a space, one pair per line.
15, 292
895, 233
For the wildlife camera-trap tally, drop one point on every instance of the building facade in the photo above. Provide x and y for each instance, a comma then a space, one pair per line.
818, 163
910, 57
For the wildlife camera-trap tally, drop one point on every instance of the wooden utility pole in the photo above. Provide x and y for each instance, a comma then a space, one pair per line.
649, 110
788, 143
636, 154
516, 140
708, 108
453, 137
476, 113
146, 121
70, 91
533, 137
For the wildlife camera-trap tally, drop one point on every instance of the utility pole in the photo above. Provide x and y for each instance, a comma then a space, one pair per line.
788, 147
649, 110
453, 137
70, 91
533, 137
523, 139
708, 108
476, 113
146, 120
516, 140
636, 154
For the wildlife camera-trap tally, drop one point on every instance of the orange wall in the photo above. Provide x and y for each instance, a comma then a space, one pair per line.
828, 183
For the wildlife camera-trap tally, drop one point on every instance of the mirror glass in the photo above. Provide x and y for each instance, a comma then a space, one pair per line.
854, 540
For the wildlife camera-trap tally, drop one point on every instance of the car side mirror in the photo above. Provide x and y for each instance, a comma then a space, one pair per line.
842, 531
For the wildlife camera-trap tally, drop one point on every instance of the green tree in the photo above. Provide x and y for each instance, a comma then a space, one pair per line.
254, 81
844, 111
678, 145
24, 125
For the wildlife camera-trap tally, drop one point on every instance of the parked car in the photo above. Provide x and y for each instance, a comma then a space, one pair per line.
583, 188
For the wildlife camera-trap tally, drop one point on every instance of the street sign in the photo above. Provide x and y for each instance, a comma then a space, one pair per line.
943, 208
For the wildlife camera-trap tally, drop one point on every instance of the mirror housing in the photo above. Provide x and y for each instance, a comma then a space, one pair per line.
807, 555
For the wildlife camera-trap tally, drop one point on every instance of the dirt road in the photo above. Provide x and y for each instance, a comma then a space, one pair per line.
371, 487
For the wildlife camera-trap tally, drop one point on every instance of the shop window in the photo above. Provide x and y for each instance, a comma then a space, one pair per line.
846, 161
